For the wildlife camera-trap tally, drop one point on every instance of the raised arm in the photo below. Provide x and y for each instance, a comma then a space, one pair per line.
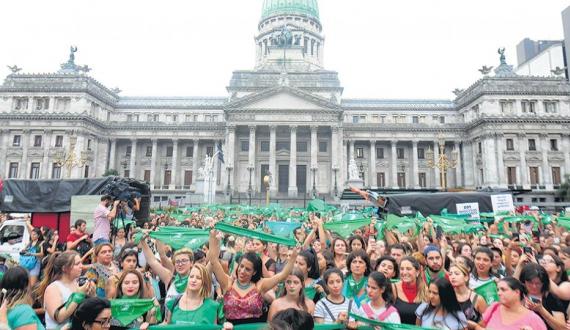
163, 273
212, 255
164, 259
267, 284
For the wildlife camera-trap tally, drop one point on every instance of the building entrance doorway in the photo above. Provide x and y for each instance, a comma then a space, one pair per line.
283, 179
301, 179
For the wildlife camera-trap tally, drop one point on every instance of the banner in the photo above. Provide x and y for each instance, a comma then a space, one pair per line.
282, 228
181, 237
488, 291
346, 227
127, 310
385, 325
503, 202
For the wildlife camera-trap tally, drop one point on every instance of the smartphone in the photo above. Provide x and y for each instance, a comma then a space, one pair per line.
535, 300
527, 250
82, 280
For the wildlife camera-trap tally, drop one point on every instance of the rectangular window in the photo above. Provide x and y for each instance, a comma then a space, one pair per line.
56, 171
13, 171
59, 141
323, 146
244, 145
380, 179
422, 180
379, 153
531, 145
534, 179
550, 106
127, 173
37, 140
148, 151
167, 177
401, 179
282, 145
174, 118
553, 145
441, 119
88, 144
35, 171
359, 152
17, 140
264, 146
187, 178
190, 151
302, 147
129, 118
415, 120
20, 103
188, 118
210, 151
128, 151
528, 106
556, 178
400, 153
421, 153
155, 118
512, 175
214, 118
479, 148
169, 150
86, 172
507, 106
355, 119
510, 145
146, 176
136, 118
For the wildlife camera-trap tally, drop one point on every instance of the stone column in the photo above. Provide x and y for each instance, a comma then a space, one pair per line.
45, 162
344, 163
467, 154
501, 170
25, 146
173, 176
394, 165
273, 159
351, 154
436, 171
95, 149
112, 155
489, 161
415, 179
77, 172
372, 164
133, 165
230, 152
546, 169
522, 154
458, 166
153, 163
476, 173
251, 157
292, 190
4, 135
566, 151
314, 157
195, 162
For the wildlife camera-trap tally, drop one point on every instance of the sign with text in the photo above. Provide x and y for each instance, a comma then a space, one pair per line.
502, 203
468, 208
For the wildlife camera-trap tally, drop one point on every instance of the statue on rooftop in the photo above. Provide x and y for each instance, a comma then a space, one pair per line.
501, 52
485, 70
14, 68
285, 37
72, 51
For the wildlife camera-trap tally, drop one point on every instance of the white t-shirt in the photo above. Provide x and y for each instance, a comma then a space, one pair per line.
393, 317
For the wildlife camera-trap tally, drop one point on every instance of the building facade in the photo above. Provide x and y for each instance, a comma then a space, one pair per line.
287, 117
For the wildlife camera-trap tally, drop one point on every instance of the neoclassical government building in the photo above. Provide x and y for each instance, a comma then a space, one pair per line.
287, 116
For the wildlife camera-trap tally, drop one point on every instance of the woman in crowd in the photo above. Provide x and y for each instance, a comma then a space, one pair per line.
92, 314
537, 284
481, 273
464, 249
175, 278
358, 264
18, 300
243, 296
119, 240
306, 262
356, 243
59, 283
472, 304
35, 249
410, 291
380, 306
260, 247
131, 286
442, 311
389, 267
509, 313
294, 296
103, 268
339, 251
334, 307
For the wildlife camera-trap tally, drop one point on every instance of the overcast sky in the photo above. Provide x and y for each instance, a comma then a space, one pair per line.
381, 49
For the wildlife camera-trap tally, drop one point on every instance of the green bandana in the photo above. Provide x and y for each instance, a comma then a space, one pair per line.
254, 234
127, 310
353, 287
488, 291
385, 325
181, 237
345, 227
180, 283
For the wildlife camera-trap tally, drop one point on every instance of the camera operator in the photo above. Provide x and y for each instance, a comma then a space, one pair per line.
102, 217
128, 205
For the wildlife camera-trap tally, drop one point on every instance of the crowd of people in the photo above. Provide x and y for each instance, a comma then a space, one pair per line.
122, 276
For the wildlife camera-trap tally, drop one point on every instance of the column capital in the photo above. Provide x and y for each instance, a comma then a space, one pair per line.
134, 140
154, 140
394, 142
373, 143
314, 128
196, 141
293, 127
175, 141
252, 129
415, 142
273, 128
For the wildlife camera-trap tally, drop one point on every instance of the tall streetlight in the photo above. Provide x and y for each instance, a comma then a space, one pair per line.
335, 190
250, 188
267, 183
314, 170
443, 163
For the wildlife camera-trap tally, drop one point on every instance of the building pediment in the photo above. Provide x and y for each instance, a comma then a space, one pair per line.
282, 98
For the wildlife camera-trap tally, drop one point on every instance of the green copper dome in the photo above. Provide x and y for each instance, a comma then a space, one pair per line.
308, 8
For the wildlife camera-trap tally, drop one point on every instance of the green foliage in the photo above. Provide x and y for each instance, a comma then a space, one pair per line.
564, 191
111, 172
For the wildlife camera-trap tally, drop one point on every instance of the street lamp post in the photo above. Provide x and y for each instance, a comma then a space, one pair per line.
228, 187
335, 190
314, 192
267, 183
250, 188
443, 163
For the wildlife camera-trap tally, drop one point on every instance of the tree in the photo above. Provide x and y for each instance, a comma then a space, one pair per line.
564, 191
111, 172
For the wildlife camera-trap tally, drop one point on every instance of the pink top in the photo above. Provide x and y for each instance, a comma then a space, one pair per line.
102, 225
237, 307
494, 320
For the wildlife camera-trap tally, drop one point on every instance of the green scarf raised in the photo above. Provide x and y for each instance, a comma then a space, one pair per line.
180, 283
254, 234
180, 237
345, 227
386, 325
127, 310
